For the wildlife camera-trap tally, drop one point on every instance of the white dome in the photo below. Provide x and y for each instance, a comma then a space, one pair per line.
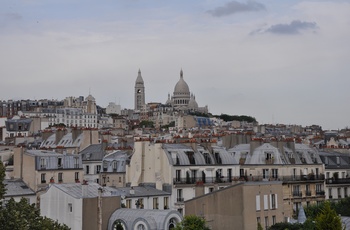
181, 86
192, 103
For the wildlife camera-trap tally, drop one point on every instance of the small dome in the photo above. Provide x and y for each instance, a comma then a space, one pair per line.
181, 86
192, 104
169, 101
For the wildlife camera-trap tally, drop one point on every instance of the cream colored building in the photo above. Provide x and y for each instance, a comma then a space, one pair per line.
241, 206
179, 168
39, 168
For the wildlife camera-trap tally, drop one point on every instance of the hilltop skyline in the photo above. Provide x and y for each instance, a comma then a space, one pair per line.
280, 62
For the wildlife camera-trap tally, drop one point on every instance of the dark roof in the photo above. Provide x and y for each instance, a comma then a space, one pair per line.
93, 153
17, 188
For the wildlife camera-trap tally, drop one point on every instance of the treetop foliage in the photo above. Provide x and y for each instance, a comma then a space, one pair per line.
227, 117
192, 222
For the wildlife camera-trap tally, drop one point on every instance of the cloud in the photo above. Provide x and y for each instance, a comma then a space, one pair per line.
293, 28
13, 16
234, 7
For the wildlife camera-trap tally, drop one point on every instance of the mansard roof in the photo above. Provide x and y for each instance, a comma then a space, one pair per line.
179, 154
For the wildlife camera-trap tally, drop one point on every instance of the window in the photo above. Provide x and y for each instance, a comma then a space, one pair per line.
60, 177
76, 162
42, 163
98, 168
140, 227
266, 222
265, 173
87, 169
155, 203
114, 165
43, 178
59, 162
70, 207
273, 220
211, 189
275, 173
166, 202
345, 192
178, 175
266, 204
330, 193
120, 179
76, 176
105, 165
179, 195
128, 203
273, 201
257, 202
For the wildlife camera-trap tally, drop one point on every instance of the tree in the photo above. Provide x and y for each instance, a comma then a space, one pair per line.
328, 218
192, 222
2, 185
23, 216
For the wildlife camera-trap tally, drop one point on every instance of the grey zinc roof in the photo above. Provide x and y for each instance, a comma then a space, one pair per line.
17, 188
226, 158
140, 191
42, 153
258, 156
154, 218
76, 190
92, 153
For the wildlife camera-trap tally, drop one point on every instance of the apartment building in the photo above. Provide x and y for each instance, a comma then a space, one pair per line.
39, 168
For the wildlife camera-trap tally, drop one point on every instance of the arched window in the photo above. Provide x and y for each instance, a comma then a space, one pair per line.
118, 225
172, 223
141, 227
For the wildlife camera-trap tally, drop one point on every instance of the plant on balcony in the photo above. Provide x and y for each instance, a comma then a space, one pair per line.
336, 176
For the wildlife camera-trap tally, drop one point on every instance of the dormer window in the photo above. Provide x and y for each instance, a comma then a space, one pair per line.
59, 162
42, 163
105, 165
114, 165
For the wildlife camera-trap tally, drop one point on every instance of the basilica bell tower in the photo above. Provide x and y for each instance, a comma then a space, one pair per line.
139, 92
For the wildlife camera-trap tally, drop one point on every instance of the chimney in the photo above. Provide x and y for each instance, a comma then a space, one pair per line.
85, 188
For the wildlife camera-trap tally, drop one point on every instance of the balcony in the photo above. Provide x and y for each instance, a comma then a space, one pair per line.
320, 193
297, 193
338, 181
206, 180
180, 199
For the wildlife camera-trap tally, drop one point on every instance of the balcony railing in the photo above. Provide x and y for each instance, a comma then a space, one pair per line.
201, 180
297, 193
338, 181
308, 193
192, 180
320, 193
180, 199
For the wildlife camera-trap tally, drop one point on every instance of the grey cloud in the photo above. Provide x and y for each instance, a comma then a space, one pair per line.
293, 28
13, 16
234, 7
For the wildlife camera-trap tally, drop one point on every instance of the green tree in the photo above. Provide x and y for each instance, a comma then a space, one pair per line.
328, 218
2, 185
146, 124
23, 216
260, 227
192, 222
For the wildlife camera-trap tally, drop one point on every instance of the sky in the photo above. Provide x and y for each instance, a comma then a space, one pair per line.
282, 62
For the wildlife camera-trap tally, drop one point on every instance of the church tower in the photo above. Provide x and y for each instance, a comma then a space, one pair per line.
139, 92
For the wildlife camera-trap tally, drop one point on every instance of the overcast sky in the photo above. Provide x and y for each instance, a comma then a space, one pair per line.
278, 61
